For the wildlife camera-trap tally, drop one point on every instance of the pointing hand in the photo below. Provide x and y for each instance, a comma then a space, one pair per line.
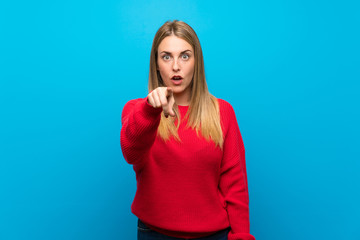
162, 97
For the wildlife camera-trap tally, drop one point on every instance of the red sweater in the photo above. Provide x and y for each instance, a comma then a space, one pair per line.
186, 189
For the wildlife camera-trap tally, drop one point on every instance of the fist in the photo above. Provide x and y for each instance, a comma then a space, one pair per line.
162, 97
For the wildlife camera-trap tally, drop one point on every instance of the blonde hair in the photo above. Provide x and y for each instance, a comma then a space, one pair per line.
203, 114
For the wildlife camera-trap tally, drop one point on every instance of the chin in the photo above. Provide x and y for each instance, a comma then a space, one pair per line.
177, 89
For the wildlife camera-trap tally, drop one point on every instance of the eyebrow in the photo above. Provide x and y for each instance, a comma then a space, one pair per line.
181, 52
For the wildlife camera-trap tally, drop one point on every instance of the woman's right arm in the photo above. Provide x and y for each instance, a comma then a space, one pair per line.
139, 121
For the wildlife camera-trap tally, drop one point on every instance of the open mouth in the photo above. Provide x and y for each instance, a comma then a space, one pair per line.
176, 78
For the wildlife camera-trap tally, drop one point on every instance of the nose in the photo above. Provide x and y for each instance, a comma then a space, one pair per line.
176, 66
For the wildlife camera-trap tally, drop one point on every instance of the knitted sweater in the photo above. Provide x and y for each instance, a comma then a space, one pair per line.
186, 189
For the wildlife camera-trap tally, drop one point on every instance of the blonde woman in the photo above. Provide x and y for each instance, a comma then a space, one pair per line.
185, 147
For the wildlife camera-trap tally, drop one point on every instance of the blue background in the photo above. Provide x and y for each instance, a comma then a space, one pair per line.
290, 70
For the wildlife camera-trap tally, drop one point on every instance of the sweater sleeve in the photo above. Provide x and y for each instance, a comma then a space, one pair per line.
139, 128
233, 179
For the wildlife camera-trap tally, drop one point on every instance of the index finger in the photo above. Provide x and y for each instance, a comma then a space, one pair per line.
169, 92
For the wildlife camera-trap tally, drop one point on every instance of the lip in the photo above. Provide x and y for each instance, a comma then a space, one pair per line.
176, 82
177, 76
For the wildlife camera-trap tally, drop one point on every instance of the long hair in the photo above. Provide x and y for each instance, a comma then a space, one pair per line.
203, 113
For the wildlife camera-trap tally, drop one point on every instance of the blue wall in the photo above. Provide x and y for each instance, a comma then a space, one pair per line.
290, 70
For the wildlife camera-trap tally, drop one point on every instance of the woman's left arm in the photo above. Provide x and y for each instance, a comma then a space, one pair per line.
233, 178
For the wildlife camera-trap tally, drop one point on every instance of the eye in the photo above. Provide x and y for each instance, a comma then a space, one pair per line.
166, 57
185, 56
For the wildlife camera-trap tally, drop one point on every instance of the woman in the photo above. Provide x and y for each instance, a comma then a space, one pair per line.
185, 147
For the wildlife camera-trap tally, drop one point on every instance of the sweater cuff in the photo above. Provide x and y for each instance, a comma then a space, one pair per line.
148, 109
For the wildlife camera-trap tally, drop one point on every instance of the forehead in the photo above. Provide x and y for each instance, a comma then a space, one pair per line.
174, 44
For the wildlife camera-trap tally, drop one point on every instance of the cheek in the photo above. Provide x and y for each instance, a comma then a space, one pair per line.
163, 72
191, 69
192, 65
162, 67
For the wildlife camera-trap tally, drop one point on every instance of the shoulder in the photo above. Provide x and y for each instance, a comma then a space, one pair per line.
132, 102
227, 114
131, 105
141, 106
225, 107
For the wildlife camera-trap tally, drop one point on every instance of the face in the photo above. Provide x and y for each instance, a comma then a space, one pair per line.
176, 64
